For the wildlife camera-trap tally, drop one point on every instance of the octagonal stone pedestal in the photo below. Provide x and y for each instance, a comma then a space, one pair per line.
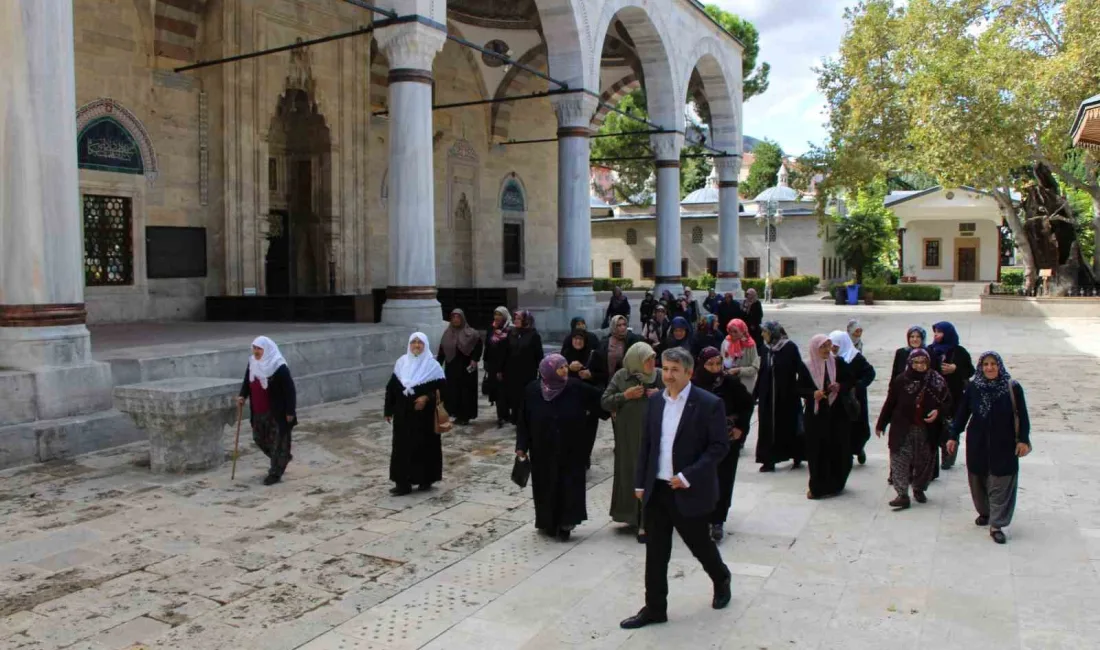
184, 418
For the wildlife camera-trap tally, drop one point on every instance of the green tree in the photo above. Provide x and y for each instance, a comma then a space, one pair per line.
865, 236
755, 77
765, 169
968, 91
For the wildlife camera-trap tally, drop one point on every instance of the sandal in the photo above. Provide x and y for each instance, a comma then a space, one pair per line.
998, 536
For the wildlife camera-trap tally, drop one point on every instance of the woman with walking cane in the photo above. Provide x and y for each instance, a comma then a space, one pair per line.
268, 383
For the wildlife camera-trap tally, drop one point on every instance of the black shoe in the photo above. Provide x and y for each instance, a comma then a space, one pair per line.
767, 468
641, 537
722, 594
998, 536
642, 619
900, 503
862, 457
796, 464
563, 535
272, 479
424, 487
920, 496
401, 490
981, 521
717, 533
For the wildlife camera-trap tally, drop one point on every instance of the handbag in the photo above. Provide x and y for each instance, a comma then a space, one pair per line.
1015, 410
442, 417
521, 472
851, 405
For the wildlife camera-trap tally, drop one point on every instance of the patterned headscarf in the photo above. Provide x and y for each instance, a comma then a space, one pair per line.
920, 330
615, 320
527, 318
776, 334
499, 334
857, 341
990, 390
550, 382
738, 344
819, 367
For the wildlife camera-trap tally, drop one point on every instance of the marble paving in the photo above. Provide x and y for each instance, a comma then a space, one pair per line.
100, 554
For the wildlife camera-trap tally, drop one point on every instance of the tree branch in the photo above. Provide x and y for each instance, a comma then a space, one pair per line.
1093, 189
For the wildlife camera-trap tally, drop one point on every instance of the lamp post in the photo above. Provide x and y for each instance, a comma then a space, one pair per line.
770, 219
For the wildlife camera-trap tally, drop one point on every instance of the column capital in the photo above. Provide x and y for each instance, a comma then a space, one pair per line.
411, 46
729, 169
574, 110
667, 146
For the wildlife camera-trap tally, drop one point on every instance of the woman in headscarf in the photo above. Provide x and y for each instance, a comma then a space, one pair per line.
459, 353
522, 364
679, 335
648, 305
609, 354
855, 331
828, 427
412, 395
728, 310
710, 376
267, 382
625, 398
707, 335
619, 305
863, 374
780, 433
668, 301
578, 356
915, 403
578, 323
739, 358
549, 433
496, 358
915, 339
656, 330
754, 318
952, 361
993, 412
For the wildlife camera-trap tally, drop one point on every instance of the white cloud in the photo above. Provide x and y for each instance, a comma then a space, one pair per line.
795, 35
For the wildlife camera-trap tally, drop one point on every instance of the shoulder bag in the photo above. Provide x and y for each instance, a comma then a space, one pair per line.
1015, 411
442, 417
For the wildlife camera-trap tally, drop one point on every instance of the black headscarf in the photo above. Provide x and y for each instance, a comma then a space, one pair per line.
572, 354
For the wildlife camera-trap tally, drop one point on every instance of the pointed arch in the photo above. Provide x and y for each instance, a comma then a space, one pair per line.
106, 108
721, 85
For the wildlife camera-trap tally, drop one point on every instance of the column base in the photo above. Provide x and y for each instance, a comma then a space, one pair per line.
30, 348
423, 315
67, 382
729, 285
676, 287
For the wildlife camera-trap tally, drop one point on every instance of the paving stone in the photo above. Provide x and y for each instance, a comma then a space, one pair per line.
138, 632
278, 603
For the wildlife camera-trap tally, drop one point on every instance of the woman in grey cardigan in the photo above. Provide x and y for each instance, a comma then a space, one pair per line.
625, 398
739, 355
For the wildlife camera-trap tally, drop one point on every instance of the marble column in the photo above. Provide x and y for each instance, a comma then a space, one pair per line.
729, 227
574, 296
666, 148
411, 289
42, 312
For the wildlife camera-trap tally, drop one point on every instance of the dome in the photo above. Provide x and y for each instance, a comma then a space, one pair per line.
701, 196
777, 193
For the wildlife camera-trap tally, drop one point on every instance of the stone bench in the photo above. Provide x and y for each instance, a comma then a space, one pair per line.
184, 418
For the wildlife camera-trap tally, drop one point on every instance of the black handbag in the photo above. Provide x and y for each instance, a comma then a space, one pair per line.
521, 472
851, 405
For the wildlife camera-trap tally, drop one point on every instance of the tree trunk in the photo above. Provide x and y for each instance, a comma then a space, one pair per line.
1023, 244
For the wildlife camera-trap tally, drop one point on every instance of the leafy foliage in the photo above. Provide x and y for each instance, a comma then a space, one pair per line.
866, 235
755, 77
764, 170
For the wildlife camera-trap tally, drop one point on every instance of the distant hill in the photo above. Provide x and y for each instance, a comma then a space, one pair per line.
749, 143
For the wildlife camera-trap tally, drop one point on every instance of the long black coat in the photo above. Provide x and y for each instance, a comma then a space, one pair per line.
991, 440
828, 436
728, 311
601, 373
863, 374
552, 434
417, 453
780, 411
493, 360
522, 363
461, 398
958, 380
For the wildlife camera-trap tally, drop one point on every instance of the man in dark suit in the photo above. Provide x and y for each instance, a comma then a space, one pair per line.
683, 441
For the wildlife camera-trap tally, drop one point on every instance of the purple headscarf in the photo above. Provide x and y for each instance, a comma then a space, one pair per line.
551, 383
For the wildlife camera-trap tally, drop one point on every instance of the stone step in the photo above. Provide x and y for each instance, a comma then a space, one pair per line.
45, 440
17, 401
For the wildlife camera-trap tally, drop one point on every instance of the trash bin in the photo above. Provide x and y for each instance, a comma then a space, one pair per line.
853, 294
841, 295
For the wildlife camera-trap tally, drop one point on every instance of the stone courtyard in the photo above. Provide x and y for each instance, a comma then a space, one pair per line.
99, 554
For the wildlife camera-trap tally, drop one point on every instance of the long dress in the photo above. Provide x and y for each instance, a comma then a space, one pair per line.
780, 411
956, 385
739, 404
828, 436
551, 434
495, 358
629, 419
521, 365
592, 420
461, 390
417, 455
863, 374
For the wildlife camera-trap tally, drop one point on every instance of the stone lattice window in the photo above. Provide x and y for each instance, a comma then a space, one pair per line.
631, 237
697, 235
108, 240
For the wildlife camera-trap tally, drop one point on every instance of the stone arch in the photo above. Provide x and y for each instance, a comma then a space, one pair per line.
722, 90
471, 60
176, 34
512, 196
106, 108
663, 95
517, 82
613, 95
567, 32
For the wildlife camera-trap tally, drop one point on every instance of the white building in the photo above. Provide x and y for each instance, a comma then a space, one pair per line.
948, 235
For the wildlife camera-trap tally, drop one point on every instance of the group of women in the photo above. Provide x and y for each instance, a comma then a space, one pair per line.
814, 411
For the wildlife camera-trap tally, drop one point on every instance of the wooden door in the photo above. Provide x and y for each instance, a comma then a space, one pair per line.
966, 264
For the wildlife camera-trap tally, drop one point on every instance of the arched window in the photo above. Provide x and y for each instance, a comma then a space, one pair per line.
513, 217
697, 235
772, 233
631, 237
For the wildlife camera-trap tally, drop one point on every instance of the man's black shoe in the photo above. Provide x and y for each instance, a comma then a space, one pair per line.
722, 595
642, 619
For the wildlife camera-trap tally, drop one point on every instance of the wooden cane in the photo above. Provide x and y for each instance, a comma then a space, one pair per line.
236, 441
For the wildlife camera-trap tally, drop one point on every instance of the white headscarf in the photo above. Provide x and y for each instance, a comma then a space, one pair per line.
414, 370
265, 366
847, 349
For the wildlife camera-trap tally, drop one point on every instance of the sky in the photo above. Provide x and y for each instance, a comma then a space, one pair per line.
794, 36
